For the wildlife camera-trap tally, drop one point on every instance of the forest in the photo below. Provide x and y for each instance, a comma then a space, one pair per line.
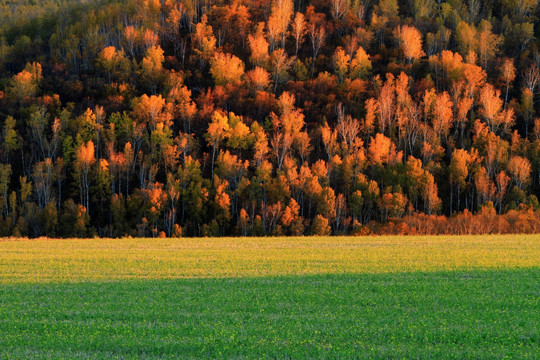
164, 118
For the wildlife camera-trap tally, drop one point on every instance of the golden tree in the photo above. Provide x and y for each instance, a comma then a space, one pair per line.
520, 169
217, 130
341, 62
360, 64
204, 39
152, 67
25, 84
258, 79
383, 151
259, 47
226, 68
298, 31
152, 110
410, 42
278, 22
508, 74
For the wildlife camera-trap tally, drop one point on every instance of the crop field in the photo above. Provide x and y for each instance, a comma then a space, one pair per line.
364, 297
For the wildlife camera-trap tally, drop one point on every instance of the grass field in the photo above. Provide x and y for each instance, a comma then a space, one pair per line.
372, 297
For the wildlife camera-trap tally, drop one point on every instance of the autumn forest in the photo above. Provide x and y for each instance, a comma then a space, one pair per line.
269, 117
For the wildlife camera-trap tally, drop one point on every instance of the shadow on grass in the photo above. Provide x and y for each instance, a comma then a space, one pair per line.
461, 314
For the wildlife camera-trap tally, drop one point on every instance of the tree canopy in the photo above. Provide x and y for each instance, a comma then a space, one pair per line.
170, 118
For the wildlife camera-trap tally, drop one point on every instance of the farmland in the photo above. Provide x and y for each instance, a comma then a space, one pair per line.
372, 297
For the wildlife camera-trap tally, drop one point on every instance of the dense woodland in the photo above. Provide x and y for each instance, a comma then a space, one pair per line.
268, 117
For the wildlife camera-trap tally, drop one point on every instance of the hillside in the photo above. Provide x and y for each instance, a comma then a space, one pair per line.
170, 118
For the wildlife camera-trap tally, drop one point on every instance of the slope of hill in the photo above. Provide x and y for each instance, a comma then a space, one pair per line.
147, 117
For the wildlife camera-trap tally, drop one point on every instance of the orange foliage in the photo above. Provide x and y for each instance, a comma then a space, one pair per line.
226, 68
410, 41
383, 151
520, 169
153, 110
86, 154
259, 47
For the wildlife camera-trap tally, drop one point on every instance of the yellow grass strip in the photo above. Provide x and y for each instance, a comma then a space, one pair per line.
73, 260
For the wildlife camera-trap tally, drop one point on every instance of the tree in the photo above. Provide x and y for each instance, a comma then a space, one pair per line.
183, 106
329, 138
520, 169
493, 149
278, 22
260, 143
112, 60
341, 63
205, 41
442, 114
317, 34
281, 143
298, 31
348, 130
531, 77
414, 173
432, 202
508, 74
216, 132
392, 205
232, 169
527, 108
238, 135
386, 103
410, 42
129, 40
474, 78
338, 8
496, 118
341, 211
259, 47
326, 204
25, 84
84, 160
74, 220
484, 186
287, 127
466, 37
489, 98
458, 172
383, 151
291, 219
488, 43
280, 65
387, 8
520, 9
149, 39
233, 24
152, 110
208, 110
360, 64
258, 79
226, 68
155, 198
320, 226
424, 9
222, 201
152, 67
43, 176
372, 107
10, 138
5, 174
501, 182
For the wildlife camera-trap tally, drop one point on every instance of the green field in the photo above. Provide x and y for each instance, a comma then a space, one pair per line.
369, 297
